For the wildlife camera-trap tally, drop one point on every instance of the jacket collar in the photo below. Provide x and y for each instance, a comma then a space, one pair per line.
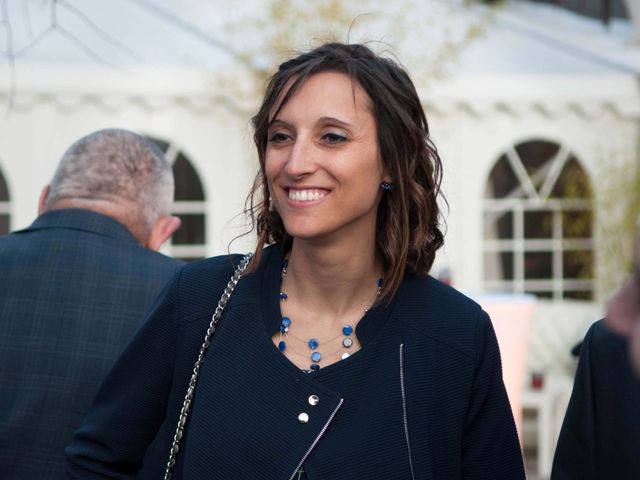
83, 220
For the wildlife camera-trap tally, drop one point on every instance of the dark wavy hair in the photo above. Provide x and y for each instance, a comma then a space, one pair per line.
408, 224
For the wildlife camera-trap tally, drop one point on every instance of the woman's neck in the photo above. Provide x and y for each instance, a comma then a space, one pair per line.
333, 281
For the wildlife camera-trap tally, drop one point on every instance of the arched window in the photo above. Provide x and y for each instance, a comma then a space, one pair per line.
538, 223
189, 242
4, 206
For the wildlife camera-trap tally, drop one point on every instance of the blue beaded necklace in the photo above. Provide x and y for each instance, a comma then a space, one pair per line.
313, 343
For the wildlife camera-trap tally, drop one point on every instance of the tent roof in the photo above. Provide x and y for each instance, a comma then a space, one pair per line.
521, 37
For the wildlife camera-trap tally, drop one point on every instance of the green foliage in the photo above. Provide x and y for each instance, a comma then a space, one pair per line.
617, 212
428, 36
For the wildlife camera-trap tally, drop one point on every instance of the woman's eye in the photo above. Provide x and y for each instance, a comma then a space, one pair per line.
278, 137
334, 138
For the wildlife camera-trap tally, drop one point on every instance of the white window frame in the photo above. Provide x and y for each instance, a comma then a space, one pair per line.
535, 200
186, 207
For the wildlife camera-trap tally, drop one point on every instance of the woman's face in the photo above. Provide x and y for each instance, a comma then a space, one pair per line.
322, 164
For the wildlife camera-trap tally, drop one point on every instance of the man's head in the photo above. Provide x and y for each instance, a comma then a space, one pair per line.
623, 310
119, 174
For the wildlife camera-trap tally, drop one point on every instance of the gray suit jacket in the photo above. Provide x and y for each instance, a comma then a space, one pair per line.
74, 287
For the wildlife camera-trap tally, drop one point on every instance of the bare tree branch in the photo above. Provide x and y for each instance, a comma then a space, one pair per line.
114, 41
71, 37
55, 25
27, 18
33, 42
6, 24
237, 55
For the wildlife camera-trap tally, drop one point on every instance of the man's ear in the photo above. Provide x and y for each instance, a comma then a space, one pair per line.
44, 193
161, 231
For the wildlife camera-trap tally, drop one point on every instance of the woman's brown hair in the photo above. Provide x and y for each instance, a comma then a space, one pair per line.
408, 228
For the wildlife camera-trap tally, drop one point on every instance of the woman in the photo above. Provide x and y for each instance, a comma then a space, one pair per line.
337, 356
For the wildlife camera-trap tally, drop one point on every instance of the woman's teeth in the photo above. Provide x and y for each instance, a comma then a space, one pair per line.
305, 195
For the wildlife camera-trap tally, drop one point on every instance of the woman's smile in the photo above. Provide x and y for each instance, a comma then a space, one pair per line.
298, 195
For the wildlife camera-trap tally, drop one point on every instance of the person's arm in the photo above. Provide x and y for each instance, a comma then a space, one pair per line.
131, 403
490, 446
575, 452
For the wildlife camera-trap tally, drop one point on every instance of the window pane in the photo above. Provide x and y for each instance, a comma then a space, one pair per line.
544, 294
577, 224
578, 295
189, 259
573, 182
502, 180
191, 231
4, 224
498, 225
188, 186
538, 224
536, 154
577, 264
506, 262
538, 265
4, 190
498, 266
164, 146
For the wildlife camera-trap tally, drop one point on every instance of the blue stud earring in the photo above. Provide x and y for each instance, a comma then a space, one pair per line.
386, 186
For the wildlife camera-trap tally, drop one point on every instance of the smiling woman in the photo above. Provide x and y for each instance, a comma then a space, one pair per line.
337, 356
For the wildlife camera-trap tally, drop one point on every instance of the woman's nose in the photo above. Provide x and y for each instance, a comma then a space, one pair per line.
301, 159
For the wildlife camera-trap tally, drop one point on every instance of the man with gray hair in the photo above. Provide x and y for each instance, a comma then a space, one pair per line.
74, 286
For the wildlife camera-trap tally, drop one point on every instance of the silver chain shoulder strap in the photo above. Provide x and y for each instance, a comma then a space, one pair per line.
186, 405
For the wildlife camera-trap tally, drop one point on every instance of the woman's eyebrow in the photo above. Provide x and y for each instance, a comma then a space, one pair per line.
335, 121
278, 122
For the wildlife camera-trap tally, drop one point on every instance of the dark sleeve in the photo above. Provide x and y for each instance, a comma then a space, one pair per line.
132, 401
575, 452
490, 445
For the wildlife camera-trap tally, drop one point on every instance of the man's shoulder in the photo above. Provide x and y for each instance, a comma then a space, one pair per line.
602, 344
47, 250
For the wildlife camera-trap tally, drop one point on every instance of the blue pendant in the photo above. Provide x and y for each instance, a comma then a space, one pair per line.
282, 346
313, 344
316, 357
347, 330
286, 321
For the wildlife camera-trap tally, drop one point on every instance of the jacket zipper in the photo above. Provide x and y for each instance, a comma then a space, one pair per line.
317, 439
404, 410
